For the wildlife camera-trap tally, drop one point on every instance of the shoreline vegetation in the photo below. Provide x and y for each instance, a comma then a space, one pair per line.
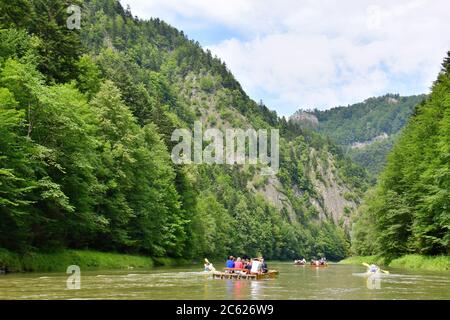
85, 259
410, 261
96, 260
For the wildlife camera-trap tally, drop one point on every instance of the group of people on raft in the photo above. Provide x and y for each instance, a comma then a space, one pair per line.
321, 262
243, 265
247, 265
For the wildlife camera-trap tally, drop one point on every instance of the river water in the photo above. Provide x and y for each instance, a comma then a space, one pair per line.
293, 282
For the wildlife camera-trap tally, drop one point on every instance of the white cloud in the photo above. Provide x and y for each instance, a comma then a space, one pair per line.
319, 53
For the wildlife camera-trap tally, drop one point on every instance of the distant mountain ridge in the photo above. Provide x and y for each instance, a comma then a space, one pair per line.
365, 130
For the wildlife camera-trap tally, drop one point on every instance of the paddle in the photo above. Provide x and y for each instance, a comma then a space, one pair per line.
368, 266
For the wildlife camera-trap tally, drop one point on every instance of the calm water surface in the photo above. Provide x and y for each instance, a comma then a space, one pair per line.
294, 282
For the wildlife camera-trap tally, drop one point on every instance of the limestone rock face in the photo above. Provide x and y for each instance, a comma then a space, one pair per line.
305, 118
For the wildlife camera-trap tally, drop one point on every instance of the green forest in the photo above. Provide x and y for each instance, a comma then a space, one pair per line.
382, 117
408, 212
364, 121
86, 118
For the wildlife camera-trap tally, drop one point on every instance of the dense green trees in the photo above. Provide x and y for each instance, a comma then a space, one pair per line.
363, 123
409, 211
95, 173
57, 47
85, 122
15, 181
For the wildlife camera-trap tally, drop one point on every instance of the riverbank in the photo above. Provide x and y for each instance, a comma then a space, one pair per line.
411, 261
85, 259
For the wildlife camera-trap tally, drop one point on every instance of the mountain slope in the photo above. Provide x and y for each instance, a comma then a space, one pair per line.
96, 143
366, 130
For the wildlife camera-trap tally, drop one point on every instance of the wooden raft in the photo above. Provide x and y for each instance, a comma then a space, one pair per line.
243, 275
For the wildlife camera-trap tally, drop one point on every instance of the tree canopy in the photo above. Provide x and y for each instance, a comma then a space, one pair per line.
409, 209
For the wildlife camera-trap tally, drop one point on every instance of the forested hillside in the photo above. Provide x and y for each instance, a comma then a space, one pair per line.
367, 130
409, 210
86, 118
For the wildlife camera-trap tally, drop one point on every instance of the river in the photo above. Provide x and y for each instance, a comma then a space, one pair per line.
294, 282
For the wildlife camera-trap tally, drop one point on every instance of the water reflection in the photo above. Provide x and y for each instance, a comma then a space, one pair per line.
374, 281
239, 290
230, 289
255, 289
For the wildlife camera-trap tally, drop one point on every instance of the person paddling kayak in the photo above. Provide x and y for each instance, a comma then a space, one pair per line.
373, 269
209, 266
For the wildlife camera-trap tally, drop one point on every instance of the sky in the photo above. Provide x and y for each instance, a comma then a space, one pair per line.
320, 54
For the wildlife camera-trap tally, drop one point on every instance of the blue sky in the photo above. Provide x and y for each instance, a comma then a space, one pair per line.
316, 53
